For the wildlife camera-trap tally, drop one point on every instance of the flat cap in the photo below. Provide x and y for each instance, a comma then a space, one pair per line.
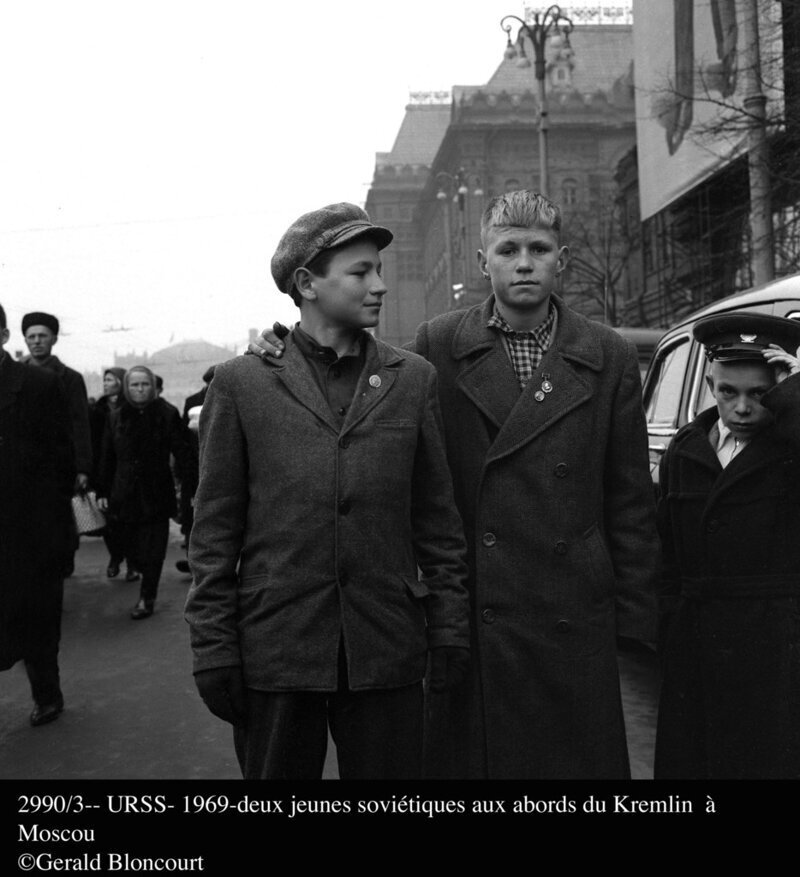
741, 335
322, 229
39, 318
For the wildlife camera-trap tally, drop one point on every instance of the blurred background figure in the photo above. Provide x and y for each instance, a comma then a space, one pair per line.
135, 480
36, 480
41, 334
191, 419
113, 534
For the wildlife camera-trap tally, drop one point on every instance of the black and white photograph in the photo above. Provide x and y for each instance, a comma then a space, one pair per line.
400, 403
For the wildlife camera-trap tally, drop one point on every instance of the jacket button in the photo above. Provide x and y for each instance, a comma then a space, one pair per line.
560, 547
488, 616
713, 526
344, 506
561, 470
489, 539
562, 625
344, 442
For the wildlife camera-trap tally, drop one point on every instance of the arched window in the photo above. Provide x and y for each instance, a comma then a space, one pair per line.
569, 192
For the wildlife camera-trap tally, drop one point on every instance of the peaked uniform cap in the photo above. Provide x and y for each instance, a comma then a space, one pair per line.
320, 230
741, 335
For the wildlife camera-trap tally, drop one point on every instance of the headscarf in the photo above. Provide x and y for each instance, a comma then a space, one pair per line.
126, 381
119, 374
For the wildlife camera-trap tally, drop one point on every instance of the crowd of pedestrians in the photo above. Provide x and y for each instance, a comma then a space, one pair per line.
129, 450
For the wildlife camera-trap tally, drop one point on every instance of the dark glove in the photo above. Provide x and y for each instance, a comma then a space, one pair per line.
449, 666
222, 690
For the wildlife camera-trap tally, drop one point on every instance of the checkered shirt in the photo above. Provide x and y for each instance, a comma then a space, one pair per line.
526, 349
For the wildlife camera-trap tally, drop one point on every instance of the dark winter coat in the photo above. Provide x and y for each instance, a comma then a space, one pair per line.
135, 473
78, 405
730, 601
308, 535
558, 512
36, 478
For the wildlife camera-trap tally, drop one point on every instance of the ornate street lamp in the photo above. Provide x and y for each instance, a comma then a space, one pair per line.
455, 188
552, 19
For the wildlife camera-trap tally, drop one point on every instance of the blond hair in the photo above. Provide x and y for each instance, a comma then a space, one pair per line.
521, 209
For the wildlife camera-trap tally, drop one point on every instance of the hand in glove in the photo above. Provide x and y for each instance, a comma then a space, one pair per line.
222, 690
449, 666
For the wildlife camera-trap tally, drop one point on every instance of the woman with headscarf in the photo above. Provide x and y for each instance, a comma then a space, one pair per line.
98, 417
135, 481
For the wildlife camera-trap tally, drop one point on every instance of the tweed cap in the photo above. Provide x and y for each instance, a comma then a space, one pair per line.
741, 335
322, 229
39, 318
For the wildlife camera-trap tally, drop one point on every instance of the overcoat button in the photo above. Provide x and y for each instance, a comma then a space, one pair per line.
344, 442
713, 526
342, 578
561, 470
562, 626
488, 616
489, 539
344, 506
561, 547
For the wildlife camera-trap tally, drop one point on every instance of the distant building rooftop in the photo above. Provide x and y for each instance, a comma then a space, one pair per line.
419, 137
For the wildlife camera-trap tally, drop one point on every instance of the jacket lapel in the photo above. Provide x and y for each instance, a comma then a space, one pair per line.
492, 385
761, 451
295, 374
486, 376
374, 383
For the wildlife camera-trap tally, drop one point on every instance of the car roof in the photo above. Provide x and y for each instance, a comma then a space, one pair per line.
775, 290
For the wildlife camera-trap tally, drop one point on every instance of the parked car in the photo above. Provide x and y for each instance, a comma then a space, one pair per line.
645, 341
675, 389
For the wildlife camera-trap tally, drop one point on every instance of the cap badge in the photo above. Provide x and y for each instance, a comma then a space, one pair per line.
748, 339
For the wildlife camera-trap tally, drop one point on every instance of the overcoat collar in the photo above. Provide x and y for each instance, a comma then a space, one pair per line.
381, 363
487, 377
11, 378
760, 452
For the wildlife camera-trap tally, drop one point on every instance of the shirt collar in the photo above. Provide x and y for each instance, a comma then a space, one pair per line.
540, 333
724, 435
310, 347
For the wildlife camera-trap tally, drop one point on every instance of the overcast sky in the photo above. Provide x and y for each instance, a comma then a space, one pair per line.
152, 153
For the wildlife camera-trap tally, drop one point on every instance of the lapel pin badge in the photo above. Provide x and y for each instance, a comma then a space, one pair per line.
374, 381
539, 396
546, 385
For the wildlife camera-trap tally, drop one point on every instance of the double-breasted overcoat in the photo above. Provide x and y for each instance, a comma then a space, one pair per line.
308, 535
36, 478
730, 600
554, 489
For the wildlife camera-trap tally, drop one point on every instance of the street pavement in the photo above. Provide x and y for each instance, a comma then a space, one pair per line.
132, 711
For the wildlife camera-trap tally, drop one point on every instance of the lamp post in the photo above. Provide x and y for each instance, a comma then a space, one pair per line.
552, 19
458, 182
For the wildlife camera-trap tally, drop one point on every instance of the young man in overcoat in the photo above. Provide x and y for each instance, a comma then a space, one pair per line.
729, 517
547, 446
323, 490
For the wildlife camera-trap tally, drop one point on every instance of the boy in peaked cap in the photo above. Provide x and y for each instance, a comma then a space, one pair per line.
312, 615
729, 518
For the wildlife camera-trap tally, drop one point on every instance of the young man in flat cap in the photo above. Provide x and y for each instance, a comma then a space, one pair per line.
324, 489
729, 517
36, 479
